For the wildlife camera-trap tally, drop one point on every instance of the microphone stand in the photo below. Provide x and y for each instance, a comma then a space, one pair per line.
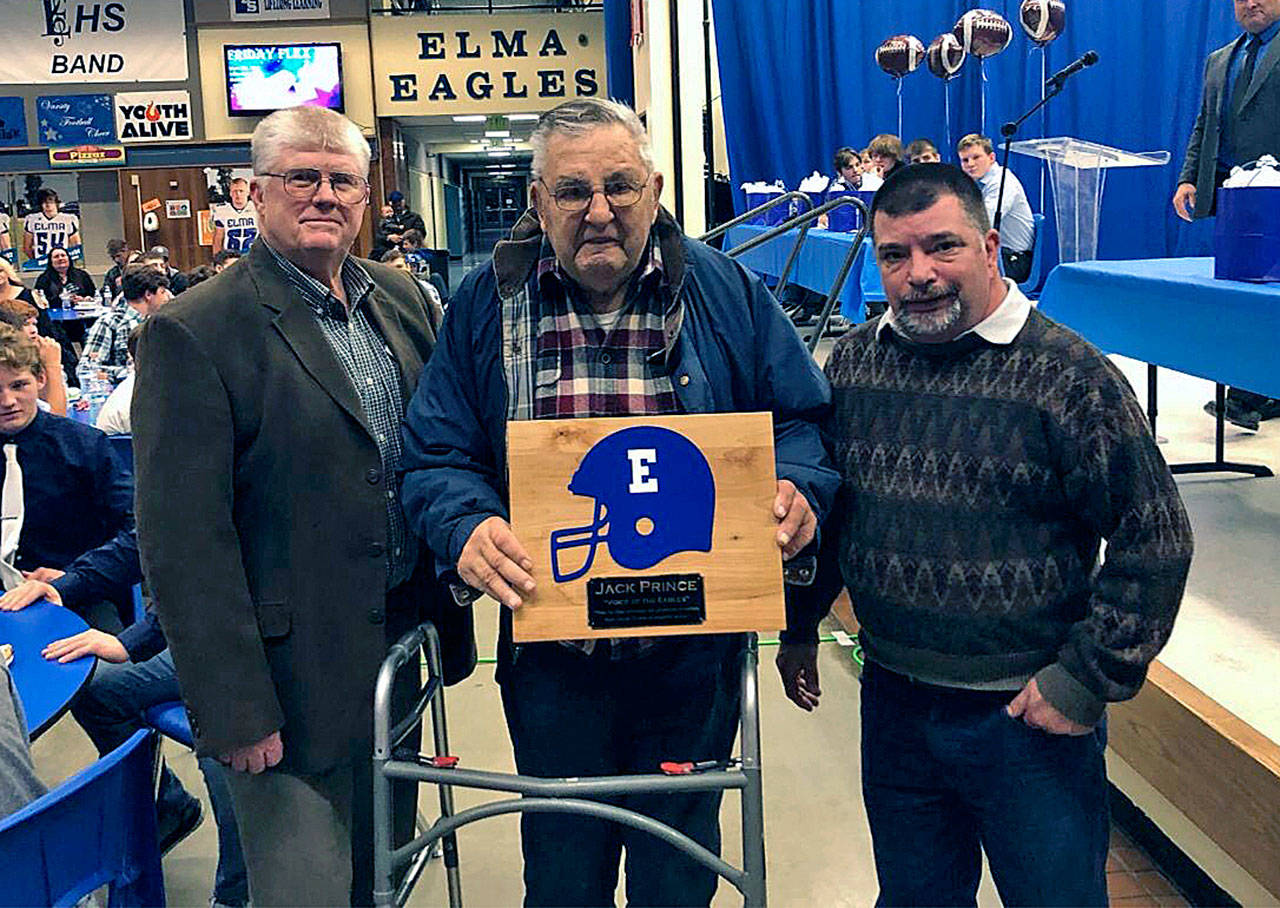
1009, 130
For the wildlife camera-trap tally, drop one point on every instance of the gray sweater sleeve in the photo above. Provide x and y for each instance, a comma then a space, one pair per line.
1121, 487
18, 782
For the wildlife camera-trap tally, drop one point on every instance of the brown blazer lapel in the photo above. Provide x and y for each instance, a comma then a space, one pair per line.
385, 316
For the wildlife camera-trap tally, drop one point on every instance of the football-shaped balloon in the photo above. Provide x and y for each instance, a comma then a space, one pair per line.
1043, 20
945, 56
983, 32
900, 55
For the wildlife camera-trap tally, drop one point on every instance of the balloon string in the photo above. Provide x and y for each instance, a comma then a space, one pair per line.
946, 94
899, 81
982, 68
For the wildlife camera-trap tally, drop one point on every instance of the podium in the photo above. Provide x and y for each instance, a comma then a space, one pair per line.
1077, 173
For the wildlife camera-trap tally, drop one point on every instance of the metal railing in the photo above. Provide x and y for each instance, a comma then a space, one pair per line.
804, 221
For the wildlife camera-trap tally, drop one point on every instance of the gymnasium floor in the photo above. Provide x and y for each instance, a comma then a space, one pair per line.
1225, 642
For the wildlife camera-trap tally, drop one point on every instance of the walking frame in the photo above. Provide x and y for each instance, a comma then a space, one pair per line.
540, 795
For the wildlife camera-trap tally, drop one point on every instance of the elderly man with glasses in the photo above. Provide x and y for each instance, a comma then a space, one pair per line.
598, 305
267, 445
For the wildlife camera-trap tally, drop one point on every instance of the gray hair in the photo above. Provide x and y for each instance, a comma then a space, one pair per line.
581, 116
306, 129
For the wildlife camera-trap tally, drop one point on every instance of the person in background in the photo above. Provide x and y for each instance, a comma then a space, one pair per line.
177, 280
119, 252
19, 784
1239, 122
848, 165
411, 246
11, 288
396, 259
884, 155
62, 283
49, 228
77, 530
404, 216
199, 274
922, 151
135, 672
224, 259
1017, 224
22, 315
114, 417
235, 223
106, 348
987, 453
7, 252
387, 226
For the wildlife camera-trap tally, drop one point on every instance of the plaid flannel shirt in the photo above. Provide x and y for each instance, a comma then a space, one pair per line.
576, 368
106, 346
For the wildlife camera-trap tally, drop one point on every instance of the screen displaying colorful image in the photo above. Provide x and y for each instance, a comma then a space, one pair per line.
266, 77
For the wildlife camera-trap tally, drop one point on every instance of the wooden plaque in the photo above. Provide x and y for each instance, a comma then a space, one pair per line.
693, 492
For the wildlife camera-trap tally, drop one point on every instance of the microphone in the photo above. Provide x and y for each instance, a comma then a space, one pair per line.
1090, 57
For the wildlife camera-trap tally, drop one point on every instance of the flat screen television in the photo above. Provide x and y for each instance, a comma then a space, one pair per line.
262, 78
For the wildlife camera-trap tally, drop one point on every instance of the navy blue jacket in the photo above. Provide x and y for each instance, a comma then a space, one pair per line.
735, 345
78, 511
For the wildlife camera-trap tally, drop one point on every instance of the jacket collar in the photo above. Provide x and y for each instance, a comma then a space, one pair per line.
515, 261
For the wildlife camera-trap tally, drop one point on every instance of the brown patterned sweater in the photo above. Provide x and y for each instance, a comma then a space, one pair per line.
978, 483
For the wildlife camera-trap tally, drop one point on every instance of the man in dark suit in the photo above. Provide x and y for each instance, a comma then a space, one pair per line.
267, 444
1239, 122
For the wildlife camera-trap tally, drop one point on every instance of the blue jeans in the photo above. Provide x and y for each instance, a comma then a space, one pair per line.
110, 710
948, 774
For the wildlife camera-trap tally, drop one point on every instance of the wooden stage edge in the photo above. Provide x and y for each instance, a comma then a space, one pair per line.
1220, 772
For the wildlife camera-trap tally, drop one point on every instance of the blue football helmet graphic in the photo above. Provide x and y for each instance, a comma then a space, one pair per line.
654, 496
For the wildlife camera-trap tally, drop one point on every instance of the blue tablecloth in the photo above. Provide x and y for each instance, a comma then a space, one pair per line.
46, 688
75, 315
1173, 313
815, 269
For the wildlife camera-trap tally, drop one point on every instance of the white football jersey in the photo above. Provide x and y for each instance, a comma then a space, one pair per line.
240, 225
47, 232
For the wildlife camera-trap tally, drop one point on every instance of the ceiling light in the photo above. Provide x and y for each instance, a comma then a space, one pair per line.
497, 133
469, 118
498, 154
516, 118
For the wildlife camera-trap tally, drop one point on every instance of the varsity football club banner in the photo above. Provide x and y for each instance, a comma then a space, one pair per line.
77, 41
646, 526
74, 120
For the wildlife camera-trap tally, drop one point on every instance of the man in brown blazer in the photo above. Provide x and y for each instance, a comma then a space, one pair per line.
267, 443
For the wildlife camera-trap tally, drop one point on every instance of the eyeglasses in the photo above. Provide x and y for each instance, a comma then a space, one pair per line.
577, 195
304, 182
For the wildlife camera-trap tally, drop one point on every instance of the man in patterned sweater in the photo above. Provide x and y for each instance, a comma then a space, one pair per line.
986, 452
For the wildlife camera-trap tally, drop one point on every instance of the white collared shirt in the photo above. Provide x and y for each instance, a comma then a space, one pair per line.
1000, 327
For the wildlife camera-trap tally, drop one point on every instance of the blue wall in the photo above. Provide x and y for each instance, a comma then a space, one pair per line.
799, 80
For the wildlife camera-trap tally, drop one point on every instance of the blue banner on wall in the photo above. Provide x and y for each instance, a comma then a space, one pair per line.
13, 123
75, 120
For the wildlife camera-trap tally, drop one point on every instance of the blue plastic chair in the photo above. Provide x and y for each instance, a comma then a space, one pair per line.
1037, 275
96, 828
170, 719
122, 449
